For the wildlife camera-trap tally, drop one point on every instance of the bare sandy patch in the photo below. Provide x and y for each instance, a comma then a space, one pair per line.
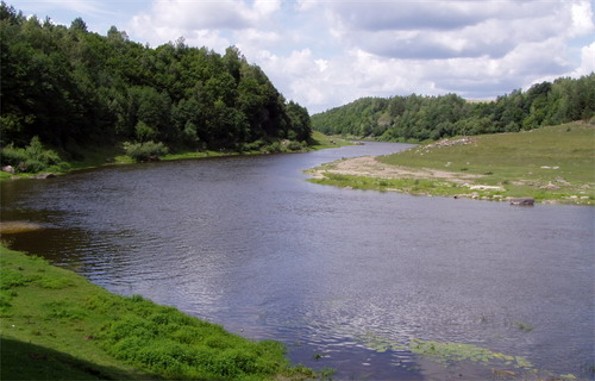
370, 167
13, 227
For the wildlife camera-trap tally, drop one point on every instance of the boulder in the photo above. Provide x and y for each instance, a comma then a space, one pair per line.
8, 169
524, 201
43, 176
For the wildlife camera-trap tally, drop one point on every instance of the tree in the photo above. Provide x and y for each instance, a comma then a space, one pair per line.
78, 25
301, 128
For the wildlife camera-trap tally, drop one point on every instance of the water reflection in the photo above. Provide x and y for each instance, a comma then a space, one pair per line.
248, 243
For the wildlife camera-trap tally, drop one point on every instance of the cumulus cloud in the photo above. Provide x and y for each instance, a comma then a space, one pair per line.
207, 21
428, 30
587, 65
326, 53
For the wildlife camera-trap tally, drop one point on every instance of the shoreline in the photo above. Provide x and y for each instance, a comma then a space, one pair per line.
367, 173
107, 158
56, 324
552, 164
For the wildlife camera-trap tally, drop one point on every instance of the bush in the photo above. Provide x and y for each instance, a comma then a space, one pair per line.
274, 147
253, 146
295, 146
147, 151
12, 156
33, 158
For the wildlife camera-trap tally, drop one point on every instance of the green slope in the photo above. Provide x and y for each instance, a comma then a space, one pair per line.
55, 325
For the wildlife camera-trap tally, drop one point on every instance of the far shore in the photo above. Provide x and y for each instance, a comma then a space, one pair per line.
549, 165
110, 156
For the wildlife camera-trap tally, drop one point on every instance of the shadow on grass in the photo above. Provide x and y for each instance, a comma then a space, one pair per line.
24, 361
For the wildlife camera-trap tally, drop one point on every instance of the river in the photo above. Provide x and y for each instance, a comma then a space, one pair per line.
345, 278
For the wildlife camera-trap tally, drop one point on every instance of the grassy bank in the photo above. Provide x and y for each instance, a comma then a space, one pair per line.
57, 325
550, 164
98, 156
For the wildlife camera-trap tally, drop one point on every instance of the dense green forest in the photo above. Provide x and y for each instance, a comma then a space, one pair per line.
67, 88
417, 118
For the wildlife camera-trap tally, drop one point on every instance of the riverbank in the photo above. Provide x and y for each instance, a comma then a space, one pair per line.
551, 165
95, 157
57, 325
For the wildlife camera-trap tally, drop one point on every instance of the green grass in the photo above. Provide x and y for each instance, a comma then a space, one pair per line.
407, 185
550, 164
57, 325
322, 141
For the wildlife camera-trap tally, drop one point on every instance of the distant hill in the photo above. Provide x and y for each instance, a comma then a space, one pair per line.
418, 118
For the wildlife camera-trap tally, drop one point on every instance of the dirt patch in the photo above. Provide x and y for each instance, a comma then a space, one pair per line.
370, 167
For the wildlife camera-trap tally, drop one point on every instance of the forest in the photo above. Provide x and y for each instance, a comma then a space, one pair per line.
417, 118
67, 88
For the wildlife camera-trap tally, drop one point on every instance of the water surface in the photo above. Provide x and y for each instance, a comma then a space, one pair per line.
248, 243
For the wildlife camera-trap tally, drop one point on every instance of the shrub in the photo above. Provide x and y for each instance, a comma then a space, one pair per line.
12, 156
274, 147
295, 146
147, 151
33, 158
253, 146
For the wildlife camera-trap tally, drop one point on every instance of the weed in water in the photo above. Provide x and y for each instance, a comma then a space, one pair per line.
523, 326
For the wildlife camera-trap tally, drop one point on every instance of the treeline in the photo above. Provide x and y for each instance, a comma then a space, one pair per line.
417, 118
72, 88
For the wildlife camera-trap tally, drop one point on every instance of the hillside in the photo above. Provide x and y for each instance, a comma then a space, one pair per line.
417, 118
73, 89
550, 164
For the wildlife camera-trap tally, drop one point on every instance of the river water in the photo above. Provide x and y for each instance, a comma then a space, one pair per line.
345, 278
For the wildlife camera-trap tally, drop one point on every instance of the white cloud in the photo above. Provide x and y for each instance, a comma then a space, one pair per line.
326, 53
214, 19
267, 7
587, 65
582, 19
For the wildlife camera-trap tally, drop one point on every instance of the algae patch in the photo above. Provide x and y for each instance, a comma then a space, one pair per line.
447, 353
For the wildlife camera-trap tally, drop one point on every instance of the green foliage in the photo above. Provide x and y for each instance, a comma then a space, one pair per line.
418, 118
11, 278
68, 84
33, 158
64, 327
145, 151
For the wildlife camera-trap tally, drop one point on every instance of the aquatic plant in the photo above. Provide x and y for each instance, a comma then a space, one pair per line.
523, 326
447, 352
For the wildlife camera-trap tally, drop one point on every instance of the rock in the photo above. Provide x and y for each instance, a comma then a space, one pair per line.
44, 176
562, 181
8, 169
550, 186
486, 187
525, 201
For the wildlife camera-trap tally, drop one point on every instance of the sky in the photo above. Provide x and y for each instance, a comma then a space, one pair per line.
324, 54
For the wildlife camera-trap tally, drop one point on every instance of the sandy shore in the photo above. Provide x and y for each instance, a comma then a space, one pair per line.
370, 167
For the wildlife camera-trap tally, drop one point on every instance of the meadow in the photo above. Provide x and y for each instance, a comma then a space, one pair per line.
549, 164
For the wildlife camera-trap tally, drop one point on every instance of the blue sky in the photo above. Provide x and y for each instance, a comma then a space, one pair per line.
324, 54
